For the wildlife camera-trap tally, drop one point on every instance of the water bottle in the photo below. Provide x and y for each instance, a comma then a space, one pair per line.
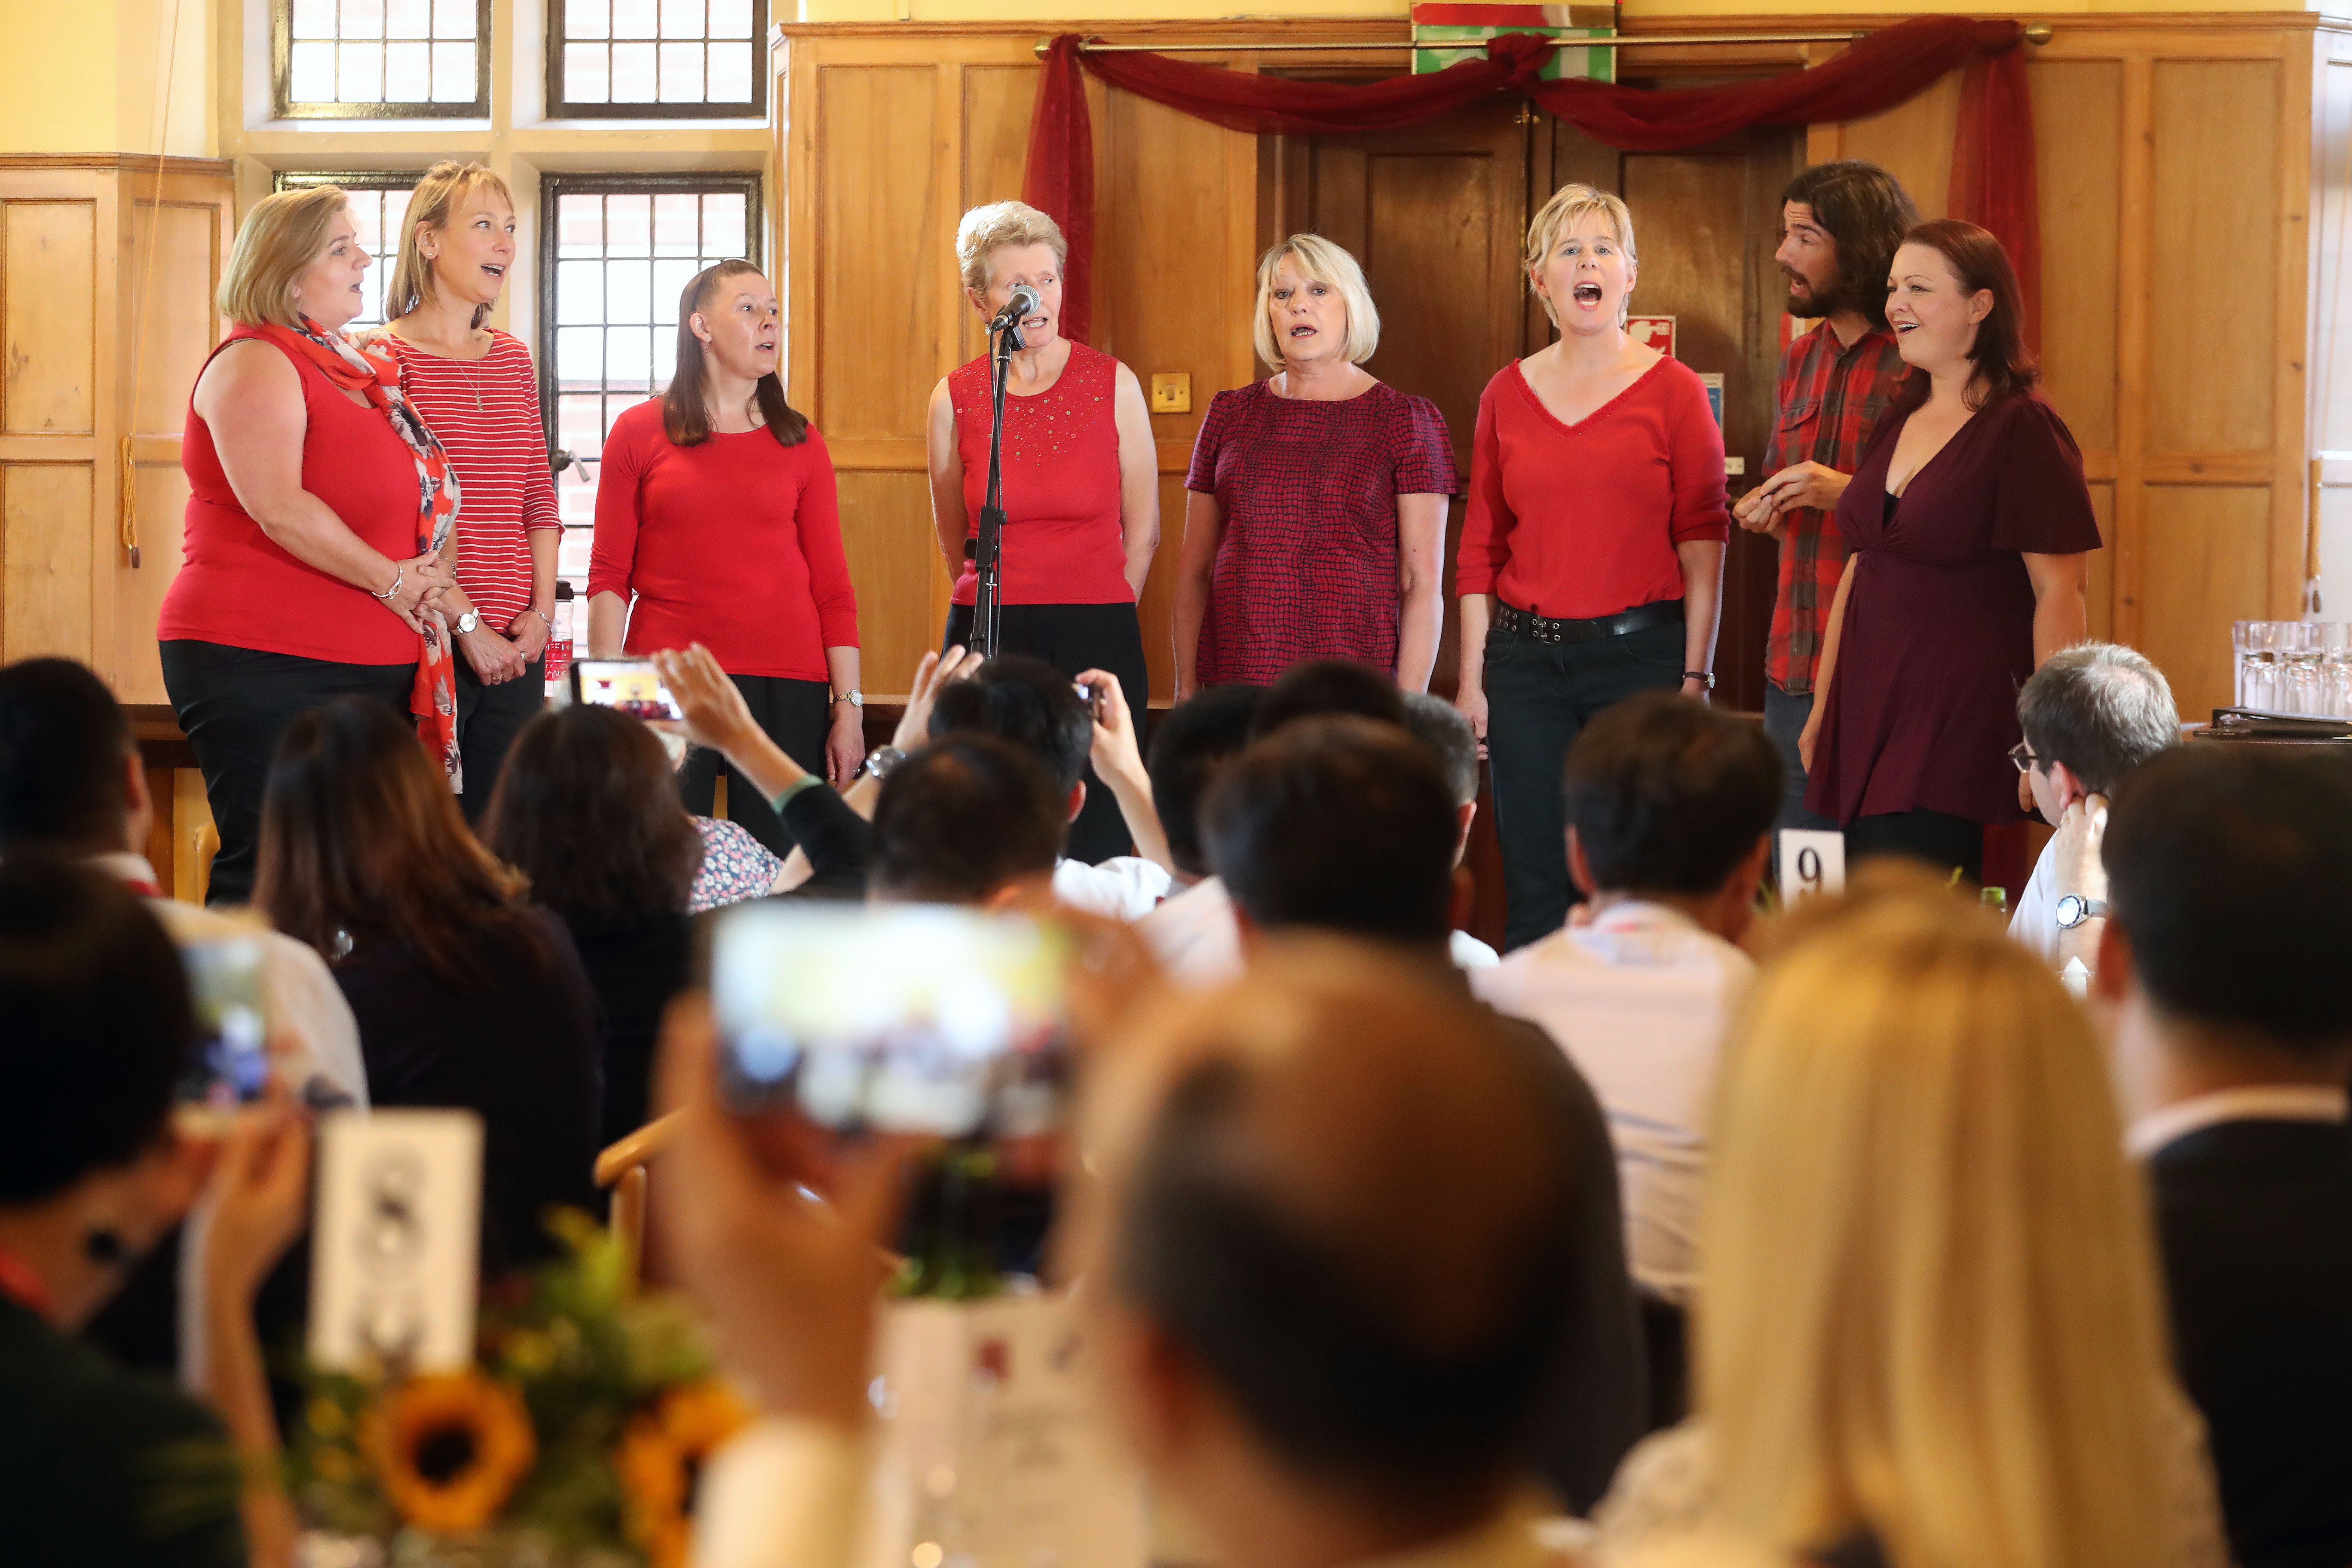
559, 644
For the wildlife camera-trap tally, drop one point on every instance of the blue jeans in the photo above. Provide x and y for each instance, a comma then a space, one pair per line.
1784, 721
1539, 696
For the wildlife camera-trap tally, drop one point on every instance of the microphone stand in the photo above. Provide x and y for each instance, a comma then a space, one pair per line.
988, 557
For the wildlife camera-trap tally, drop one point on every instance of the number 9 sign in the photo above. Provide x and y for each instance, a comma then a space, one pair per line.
1811, 863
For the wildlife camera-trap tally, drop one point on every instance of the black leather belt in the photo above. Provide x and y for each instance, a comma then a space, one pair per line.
1512, 621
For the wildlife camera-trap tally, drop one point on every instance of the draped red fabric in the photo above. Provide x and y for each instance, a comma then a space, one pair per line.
1873, 75
1993, 183
1058, 178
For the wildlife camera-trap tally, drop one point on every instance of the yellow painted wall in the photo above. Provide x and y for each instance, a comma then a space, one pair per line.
82, 75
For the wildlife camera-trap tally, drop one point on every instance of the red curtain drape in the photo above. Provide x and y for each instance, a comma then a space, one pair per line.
1992, 166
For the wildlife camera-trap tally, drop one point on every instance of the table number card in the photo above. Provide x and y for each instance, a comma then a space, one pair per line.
394, 1251
1811, 863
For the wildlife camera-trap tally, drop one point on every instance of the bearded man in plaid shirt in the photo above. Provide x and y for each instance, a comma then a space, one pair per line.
1839, 226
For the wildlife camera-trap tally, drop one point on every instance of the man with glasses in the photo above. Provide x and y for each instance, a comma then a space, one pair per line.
2090, 714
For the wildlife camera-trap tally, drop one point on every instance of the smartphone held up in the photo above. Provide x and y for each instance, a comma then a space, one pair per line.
631, 686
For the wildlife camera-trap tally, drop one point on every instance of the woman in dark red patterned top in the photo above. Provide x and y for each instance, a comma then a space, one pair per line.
476, 389
1316, 524
1081, 483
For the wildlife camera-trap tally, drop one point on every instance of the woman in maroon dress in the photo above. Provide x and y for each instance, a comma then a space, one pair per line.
1316, 526
1969, 523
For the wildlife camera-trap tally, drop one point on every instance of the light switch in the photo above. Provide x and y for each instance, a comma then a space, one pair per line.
1172, 391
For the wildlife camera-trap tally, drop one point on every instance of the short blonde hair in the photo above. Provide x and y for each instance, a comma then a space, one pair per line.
1319, 262
1567, 205
986, 230
436, 200
276, 244
1929, 1301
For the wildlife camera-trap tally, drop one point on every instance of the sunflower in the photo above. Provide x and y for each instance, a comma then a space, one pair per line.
449, 1449
661, 1455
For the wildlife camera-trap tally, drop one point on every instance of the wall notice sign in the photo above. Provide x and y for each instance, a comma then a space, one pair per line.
394, 1249
1655, 331
1811, 863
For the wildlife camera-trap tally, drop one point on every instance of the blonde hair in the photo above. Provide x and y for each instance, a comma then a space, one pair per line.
1928, 1297
276, 244
436, 200
1319, 262
1567, 205
987, 230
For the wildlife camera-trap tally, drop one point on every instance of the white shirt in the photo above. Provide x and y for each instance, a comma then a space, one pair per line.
2254, 1102
305, 1006
1199, 943
1638, 999
1124, 887
2035, 923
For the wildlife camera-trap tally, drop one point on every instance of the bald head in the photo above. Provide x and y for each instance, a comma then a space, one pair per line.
1344, 1194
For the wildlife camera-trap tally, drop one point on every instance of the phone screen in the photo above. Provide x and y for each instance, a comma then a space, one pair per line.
912, 1018
631, 685
230, 1063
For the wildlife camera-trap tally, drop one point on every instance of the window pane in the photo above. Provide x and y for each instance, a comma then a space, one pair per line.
681, 73
731, 18
587, 18
578, 355
580, 226
408, 18
722, 223
629, 358
681, 19
634, 18
628, 291
633, 73
313, 18
455, 19
731, 73
675, 226
359, 76
362, 19
580, 293
310, 76
670, 278
408, 73
580, 424
455, 79
587, 73
628, 226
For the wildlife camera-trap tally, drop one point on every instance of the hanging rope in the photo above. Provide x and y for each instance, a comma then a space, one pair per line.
126, 489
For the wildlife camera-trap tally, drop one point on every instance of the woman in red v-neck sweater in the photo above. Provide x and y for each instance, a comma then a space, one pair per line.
1591, 555
716, 523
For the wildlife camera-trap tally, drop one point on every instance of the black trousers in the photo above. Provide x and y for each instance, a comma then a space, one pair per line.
1942, 840
233, 705
489, 720
1073, 637
1539, 697
795, 715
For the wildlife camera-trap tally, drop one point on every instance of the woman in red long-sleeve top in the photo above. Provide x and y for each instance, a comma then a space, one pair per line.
1592, 557
716, 523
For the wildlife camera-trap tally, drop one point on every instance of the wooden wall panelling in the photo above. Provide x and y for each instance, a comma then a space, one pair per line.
45, 578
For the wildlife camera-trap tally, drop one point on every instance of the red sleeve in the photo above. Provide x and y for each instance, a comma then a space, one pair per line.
620, 478
539, 509
818, 518
1487, 521
1695, 456
2041, 505
1202, 475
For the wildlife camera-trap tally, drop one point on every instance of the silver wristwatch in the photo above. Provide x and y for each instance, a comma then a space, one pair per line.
2074, 909
467, 622
854, 697
882, 759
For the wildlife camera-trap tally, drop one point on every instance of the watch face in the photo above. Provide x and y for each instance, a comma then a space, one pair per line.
2070, 912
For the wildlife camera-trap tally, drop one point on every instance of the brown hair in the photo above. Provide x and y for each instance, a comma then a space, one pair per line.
276, 244
431, 206
686, 419
2003, 365
362, 845
1867, 212
586, 808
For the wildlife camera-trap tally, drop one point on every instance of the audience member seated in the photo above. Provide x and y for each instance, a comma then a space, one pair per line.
2230, 874
1439, 725
586, 809
1328, 1230
1286, 823
70, 780
1320, 687
1930, 1329
970, 819
1192, 931
1669, 806
98, 1466
2090, 714
466, 996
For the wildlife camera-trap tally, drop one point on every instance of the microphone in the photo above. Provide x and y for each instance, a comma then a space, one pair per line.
1024, 302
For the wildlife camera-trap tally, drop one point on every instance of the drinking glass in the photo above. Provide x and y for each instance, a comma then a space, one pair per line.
2302, 685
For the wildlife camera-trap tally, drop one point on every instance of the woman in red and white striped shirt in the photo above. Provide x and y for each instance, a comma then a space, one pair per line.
477, 391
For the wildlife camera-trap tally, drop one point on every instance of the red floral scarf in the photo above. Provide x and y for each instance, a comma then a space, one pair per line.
372, 371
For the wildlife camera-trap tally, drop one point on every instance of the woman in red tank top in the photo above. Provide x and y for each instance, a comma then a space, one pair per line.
1081, 483
303, 579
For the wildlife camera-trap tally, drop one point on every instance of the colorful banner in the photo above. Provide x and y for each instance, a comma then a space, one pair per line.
1447, 34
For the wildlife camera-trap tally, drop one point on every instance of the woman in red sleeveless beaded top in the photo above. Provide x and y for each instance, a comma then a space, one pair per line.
1081, 483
